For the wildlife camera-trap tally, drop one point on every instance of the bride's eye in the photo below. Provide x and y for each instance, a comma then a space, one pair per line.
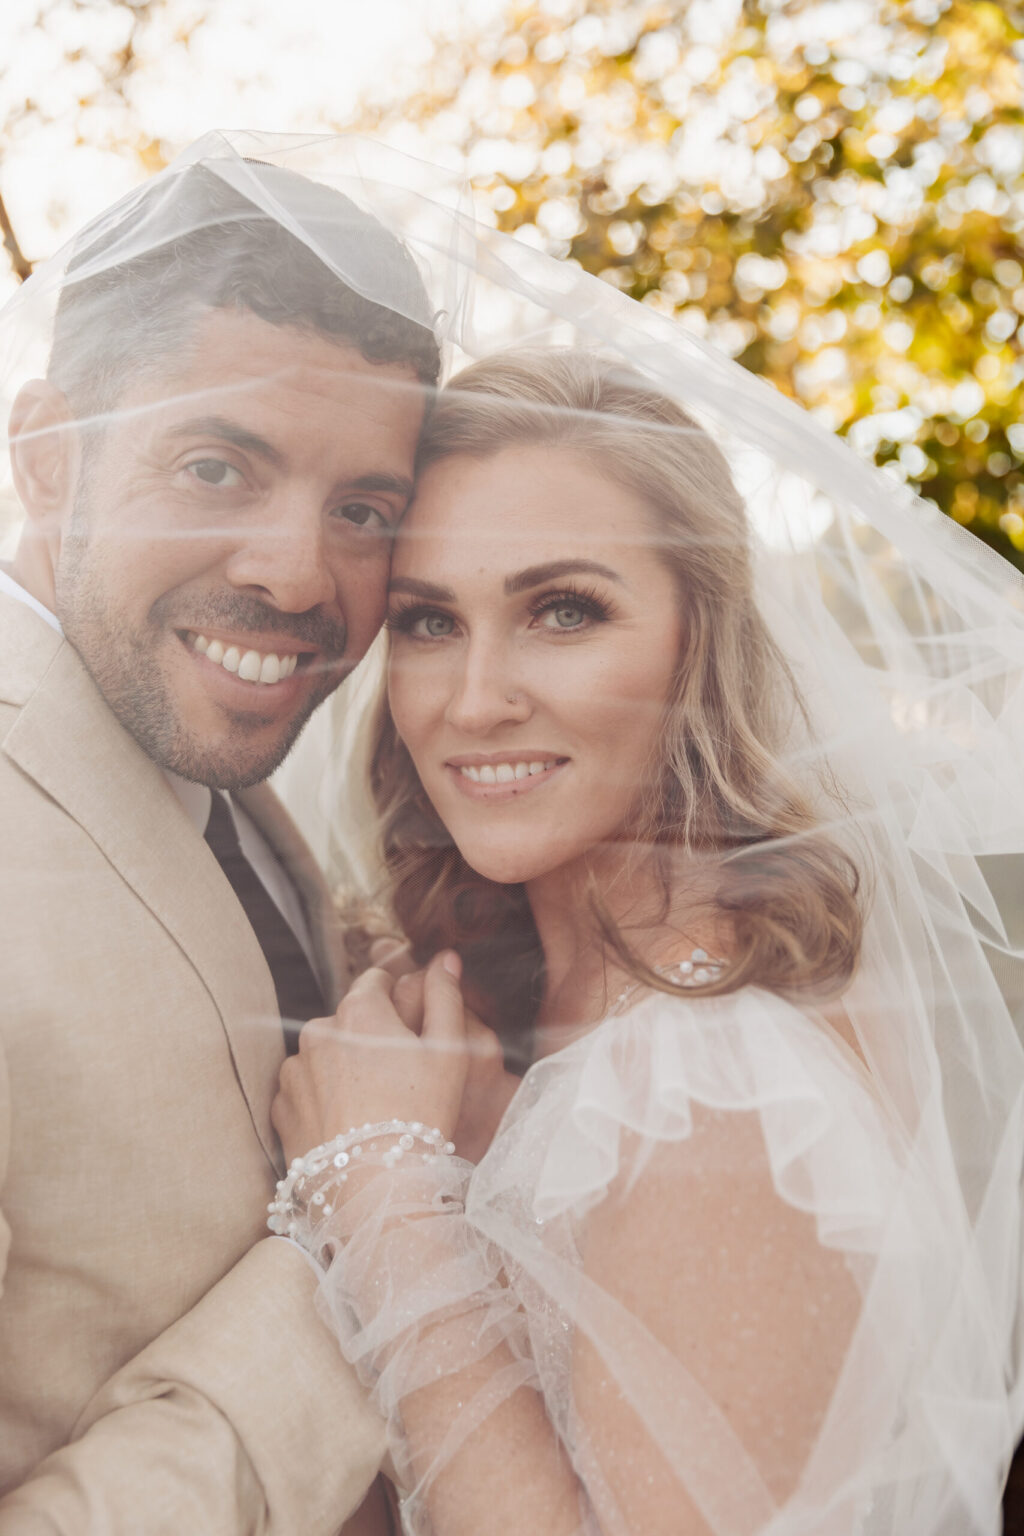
421, 623
436, 625
569, 611
216, 472
567, 615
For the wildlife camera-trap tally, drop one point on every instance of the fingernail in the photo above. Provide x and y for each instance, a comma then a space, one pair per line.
452, 964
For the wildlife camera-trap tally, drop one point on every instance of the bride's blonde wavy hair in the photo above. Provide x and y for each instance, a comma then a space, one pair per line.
720, 803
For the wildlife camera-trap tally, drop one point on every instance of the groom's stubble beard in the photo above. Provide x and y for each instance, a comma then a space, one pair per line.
125, 667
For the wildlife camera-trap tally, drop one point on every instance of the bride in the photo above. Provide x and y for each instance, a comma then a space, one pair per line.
741, 1253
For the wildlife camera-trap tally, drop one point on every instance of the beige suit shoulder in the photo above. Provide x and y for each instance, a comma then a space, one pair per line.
28, 646
8, 715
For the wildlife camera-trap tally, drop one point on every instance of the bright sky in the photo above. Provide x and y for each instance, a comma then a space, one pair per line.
279, 65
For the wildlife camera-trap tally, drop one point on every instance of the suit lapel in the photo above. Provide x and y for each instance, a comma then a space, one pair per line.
69, 742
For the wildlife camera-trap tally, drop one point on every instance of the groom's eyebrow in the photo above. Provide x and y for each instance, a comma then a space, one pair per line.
537, 575
229, 432
393, 485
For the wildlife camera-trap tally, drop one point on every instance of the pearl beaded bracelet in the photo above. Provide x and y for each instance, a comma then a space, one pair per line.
289, 1208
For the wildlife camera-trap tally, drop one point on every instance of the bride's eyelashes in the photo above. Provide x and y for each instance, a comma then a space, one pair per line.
569, 610
419, 622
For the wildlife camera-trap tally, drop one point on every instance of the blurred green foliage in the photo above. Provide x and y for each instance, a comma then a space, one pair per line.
834, 193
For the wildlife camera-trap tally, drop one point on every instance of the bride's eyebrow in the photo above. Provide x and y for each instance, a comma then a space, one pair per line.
536, 575
522, 581
425, 589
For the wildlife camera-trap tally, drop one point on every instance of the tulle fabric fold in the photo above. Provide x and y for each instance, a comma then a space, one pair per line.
919, 1408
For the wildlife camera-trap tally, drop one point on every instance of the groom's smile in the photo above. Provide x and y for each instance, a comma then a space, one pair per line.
248, 664
223, 566
252, 673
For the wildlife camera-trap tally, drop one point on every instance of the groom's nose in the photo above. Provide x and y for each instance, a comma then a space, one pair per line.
283, 556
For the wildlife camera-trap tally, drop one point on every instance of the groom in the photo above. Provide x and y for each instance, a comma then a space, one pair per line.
210, 472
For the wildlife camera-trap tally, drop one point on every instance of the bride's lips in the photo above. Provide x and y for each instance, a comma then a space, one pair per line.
503, 776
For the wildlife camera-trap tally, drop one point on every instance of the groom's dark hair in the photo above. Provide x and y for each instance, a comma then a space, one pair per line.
123, 309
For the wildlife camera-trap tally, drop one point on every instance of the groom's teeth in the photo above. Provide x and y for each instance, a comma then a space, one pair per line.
251, 666
537, 767
504, 773
488, 775
522, 770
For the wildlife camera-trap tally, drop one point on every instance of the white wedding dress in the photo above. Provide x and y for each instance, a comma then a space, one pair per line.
743, 1285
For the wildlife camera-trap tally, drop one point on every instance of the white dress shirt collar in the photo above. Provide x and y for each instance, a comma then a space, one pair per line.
195, 799
13, 589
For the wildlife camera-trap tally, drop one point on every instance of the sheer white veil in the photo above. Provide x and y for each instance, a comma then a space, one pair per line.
905, 633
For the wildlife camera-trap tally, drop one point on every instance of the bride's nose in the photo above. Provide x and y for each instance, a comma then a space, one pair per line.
486, 692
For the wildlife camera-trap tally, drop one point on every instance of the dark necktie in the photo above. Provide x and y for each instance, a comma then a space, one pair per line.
298, 992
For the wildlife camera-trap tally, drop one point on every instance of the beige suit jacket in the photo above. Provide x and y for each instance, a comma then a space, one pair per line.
162, 1368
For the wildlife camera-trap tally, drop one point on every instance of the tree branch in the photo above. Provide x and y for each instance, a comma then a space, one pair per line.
19, 261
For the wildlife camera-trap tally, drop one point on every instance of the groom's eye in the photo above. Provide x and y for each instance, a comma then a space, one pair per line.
215, 472
363, 515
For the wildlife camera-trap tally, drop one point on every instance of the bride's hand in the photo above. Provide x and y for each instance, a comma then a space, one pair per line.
488, 1091
366, 1065
489, 1087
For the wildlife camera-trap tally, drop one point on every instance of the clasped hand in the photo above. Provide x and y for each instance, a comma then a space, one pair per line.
399, 1047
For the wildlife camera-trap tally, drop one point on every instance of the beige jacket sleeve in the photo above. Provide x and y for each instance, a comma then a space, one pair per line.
186, 1438
5, 1153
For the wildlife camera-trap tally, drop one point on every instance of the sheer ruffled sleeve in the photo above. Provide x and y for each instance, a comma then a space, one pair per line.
737, 1293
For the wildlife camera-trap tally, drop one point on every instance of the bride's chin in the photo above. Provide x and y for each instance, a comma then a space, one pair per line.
502, 871
509, 866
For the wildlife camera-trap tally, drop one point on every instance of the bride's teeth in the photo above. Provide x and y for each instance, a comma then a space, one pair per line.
270, 671
504, 773
249, 666
231, 658
200, 644
215, 651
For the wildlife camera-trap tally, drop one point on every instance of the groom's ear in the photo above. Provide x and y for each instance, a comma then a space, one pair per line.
45, 455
